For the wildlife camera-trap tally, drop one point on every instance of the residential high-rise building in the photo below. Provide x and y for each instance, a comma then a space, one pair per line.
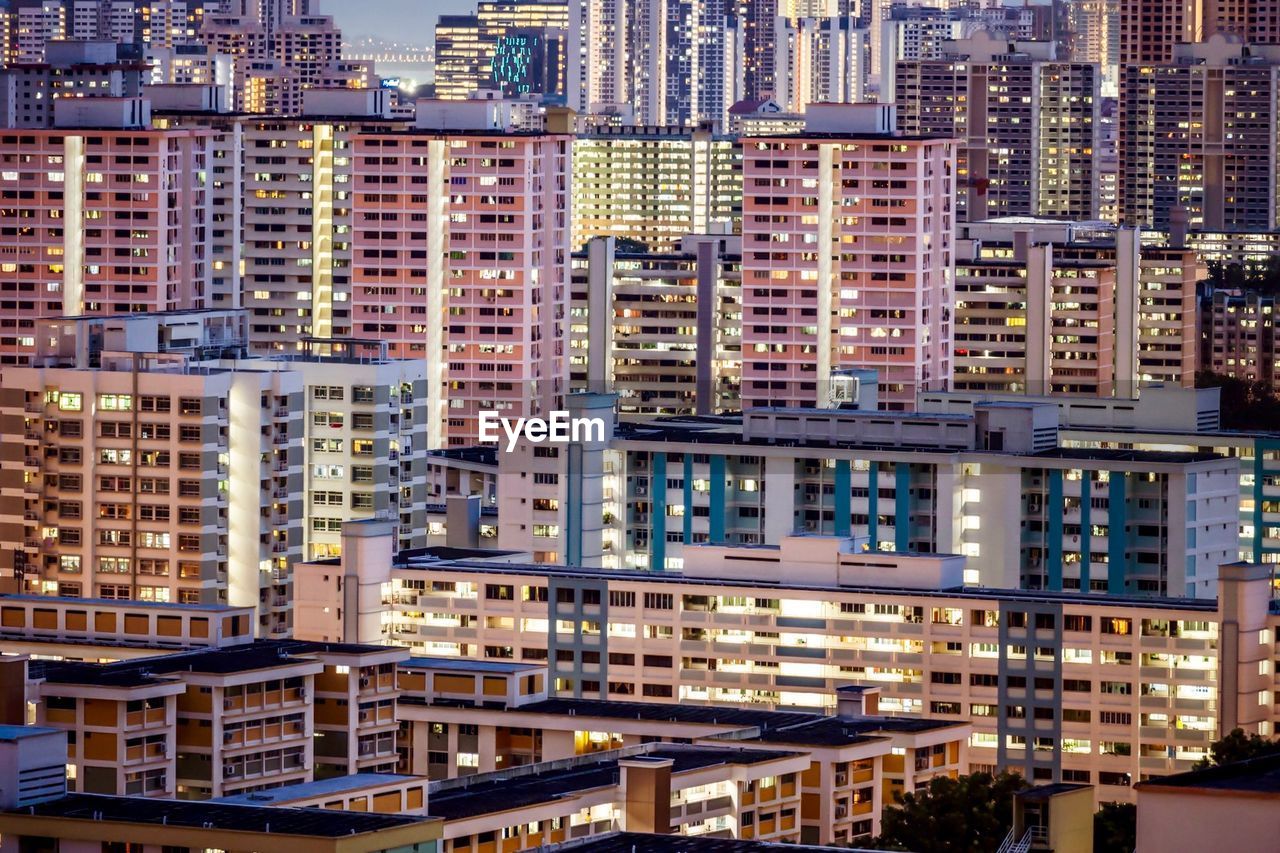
760, 45
139, 476
662, 330
847, 260
1196, 134
1254, 21
820, 60
1027, 124
1238, 337
71, 69
654, 185
1051, 307
34, 25
598, 70
110, 217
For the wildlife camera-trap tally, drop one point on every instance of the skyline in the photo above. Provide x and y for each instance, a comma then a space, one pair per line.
413, 20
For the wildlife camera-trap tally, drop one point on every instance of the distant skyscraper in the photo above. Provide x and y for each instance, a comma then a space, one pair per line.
820, 60
759, 18
1255, 21
467, 45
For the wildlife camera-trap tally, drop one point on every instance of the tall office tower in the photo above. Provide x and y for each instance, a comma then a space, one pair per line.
143, 479
113, 218
654, 185
662, 330
847, 259
1198, 133
1238, 336
36, 24
468, 266
820, 60
597, 66
1028, 125
72, 69
759, 20
467, 46
459, 56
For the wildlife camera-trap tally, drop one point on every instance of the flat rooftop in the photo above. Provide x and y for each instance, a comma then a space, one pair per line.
318, 788
15, 733
638, 842
471, 665
844, 731
500, 791
707, 715
1255, 776
316, 823
132, 605
663, 577
259, 655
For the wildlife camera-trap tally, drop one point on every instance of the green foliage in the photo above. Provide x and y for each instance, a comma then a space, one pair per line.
970, 814
1238, 746
1115, 828
1245, 405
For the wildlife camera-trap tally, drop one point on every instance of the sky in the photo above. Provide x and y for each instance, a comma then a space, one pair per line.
405, 20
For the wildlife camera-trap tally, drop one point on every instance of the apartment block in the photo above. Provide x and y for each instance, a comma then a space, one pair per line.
847, 259
1040, 324
1060, 686
157, 823
365, 454
654, 185
660, 330
1072, 307
71, 69
821, 60
108, 220
1196, 134
491, 255
214, 722
466, 717
1237, 336
139, 476
1027, 124
105, 630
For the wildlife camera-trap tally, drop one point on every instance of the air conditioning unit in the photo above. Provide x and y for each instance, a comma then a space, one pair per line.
302, 693
164, 747
364, 682
229, 770
841, 812
226, 704
227, 737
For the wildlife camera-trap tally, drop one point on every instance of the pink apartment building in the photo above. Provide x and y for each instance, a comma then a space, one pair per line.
100, 221
847, 259
460, 254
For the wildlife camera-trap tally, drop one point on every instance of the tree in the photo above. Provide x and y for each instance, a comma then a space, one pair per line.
970, 814
1244, 404
1115, 828
1238, 746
